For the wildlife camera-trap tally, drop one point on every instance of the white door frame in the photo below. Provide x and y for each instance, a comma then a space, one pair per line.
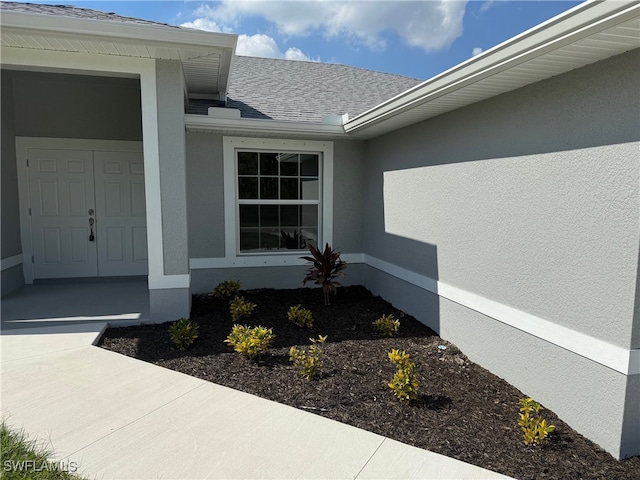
22, 146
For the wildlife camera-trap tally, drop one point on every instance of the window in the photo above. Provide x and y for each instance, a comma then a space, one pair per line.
278, 196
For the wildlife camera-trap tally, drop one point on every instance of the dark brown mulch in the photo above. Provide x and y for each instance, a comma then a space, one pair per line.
463, 411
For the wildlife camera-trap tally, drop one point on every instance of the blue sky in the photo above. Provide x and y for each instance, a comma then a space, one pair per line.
414, 38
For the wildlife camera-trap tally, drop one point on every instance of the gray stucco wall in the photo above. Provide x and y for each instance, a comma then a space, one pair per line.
77, 106
205, 195
173, 170
12, 278
348, 195
529, 199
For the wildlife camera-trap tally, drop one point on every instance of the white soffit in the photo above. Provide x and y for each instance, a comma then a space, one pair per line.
206, 57
586, 34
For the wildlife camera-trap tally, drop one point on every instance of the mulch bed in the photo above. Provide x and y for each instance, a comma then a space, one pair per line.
463, 411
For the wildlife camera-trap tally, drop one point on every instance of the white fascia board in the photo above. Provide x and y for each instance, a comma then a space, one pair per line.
253, 126
92, 27
207, 42
582, 21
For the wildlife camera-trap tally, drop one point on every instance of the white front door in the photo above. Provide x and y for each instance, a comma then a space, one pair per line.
88, 214
120, 204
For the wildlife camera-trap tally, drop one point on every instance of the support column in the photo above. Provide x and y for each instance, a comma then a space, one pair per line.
165, 183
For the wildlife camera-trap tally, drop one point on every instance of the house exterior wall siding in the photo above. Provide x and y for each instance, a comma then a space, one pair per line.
529, 199
173, 181
348, 195
12, 278
206, 200
205, 195
77, 106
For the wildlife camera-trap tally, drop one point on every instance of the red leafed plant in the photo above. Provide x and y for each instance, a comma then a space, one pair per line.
326, 266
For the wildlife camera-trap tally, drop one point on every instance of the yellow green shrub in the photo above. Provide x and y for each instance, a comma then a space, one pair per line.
308, 363
534, 428
388, 325
405, 381
240, 308
250, 342
300, 316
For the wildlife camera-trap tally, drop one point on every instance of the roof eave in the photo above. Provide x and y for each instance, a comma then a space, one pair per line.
254, 126
576, 24
195, 39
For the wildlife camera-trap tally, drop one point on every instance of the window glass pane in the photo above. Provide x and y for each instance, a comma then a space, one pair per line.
247, 163
310, 236
309, 165
289, 215
289, 164
268, 164
289, 188
309, 215
269, 238
268, 187
249, 239
269, 216
291, 239
309, 188
247, 187
249, 216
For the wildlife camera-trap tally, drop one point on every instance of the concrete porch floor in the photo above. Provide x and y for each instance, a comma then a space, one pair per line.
119, 301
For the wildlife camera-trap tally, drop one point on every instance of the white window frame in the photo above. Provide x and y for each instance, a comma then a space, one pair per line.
230, 146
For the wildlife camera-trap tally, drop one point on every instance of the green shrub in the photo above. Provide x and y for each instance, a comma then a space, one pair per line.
226, 289
250, 342
240, 308
405, 381
183, 333
308, 363
300, 316
534, 429
27, 458
388, 325
325, 267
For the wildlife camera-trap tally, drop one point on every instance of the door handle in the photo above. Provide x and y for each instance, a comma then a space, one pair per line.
92, 237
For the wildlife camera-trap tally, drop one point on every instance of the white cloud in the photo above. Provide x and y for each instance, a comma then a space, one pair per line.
486, 5
203, 24
476, 51
261, 45
429, 25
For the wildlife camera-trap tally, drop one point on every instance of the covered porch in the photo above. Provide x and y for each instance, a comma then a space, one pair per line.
118, 302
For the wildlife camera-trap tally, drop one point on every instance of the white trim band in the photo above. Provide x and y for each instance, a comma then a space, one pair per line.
282, 260
613, 356
161, 282
11, 262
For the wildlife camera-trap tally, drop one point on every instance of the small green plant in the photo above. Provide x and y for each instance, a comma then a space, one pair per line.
308, 363
226, 289
325, 267
534, 428
388, 325
300, 316
25, 458
250, 342
183, 333
240, 308
405, 381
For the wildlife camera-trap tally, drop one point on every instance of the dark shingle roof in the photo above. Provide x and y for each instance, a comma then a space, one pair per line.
75, 12
307, 91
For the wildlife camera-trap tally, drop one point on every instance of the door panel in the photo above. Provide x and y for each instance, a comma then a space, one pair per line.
121, 213
61, 194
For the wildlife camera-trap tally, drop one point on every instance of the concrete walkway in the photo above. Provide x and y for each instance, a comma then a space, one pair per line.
120, 418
